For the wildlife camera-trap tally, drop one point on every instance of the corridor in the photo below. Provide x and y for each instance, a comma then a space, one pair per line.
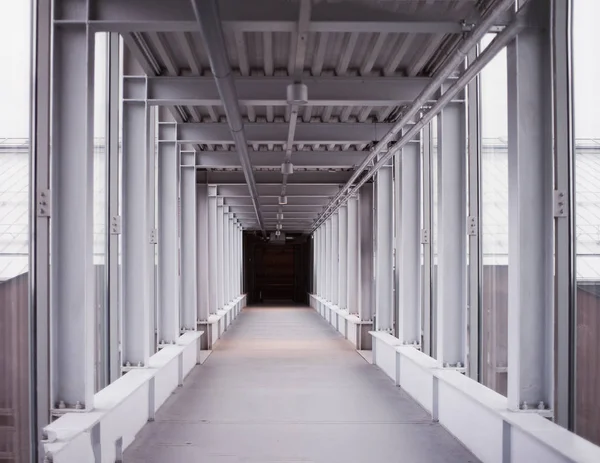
283, 386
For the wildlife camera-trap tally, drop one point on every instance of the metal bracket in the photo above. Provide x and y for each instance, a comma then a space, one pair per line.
154, 236
44, 203
472, 225
560, 203
425, 239
115, 225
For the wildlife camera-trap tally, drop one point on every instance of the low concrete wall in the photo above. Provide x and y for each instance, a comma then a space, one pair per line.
350, 326
123, 408
475, 414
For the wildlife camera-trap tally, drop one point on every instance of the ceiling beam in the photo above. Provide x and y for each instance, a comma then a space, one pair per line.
267, 202
274, 190
276, 133
271, 91
272, 15
273, 159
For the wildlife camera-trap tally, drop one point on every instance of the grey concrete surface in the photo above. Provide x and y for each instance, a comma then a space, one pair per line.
283, 386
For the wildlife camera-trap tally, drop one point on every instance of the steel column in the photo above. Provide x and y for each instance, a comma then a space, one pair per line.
451, 306
530, 239
409, 326
220, 255
335, 236
564, 154
72, 269
226, 258
384, 302
343, 258
136, 235
427, 345
39, 233
474, 221
168, 248
366, 252
189, 278
202, 252
213, 250
151, 242
328, 260
352, 280
231, 271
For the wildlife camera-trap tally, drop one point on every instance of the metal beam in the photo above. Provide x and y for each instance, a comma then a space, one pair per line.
213, 248
268, 202
72, 270
271, 16
530, 238
452, 249
264, 178
271, 91
307, 190
365, 253
343, 258
202, 250
352, 273
188, 239
276, 133
384, 285
273, 159
168, 237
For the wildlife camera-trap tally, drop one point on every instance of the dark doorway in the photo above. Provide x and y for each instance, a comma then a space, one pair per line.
277, 270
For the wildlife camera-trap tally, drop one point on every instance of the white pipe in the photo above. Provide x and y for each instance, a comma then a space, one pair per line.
491, 51
428, 92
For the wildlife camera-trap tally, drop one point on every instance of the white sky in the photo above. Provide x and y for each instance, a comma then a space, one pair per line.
15, 56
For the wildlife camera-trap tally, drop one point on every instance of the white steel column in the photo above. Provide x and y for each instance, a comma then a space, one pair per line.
335, 235
232, 257
226, 253
138, 263
530, 292
220, 254
352, 281
343, 258
213, 250
317, 235
384, 302
168, 246
366, 252
202, 262
189, 277
327, 257
451, 307
409, 265
72, 270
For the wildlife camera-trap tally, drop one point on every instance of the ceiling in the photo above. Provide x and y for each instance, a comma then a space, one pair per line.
361, 61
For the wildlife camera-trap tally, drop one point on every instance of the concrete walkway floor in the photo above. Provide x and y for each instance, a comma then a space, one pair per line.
283, 386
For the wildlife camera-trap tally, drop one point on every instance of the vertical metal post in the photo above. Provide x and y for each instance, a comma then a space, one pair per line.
168, 240
112, 137
564, 264
226, 252
72, 269
352, 280
427, 339
316, 258
451, 311
213, 250
319, 238
384, 301
220, 254
189, 279
39, 233
327, 255
366, 251
343, 258
474, 224
231, 269
530, 239
202, 252
136, 235
335, 235
409, 326
151, 231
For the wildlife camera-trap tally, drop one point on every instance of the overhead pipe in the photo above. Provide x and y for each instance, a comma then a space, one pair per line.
456, 59
209, 20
